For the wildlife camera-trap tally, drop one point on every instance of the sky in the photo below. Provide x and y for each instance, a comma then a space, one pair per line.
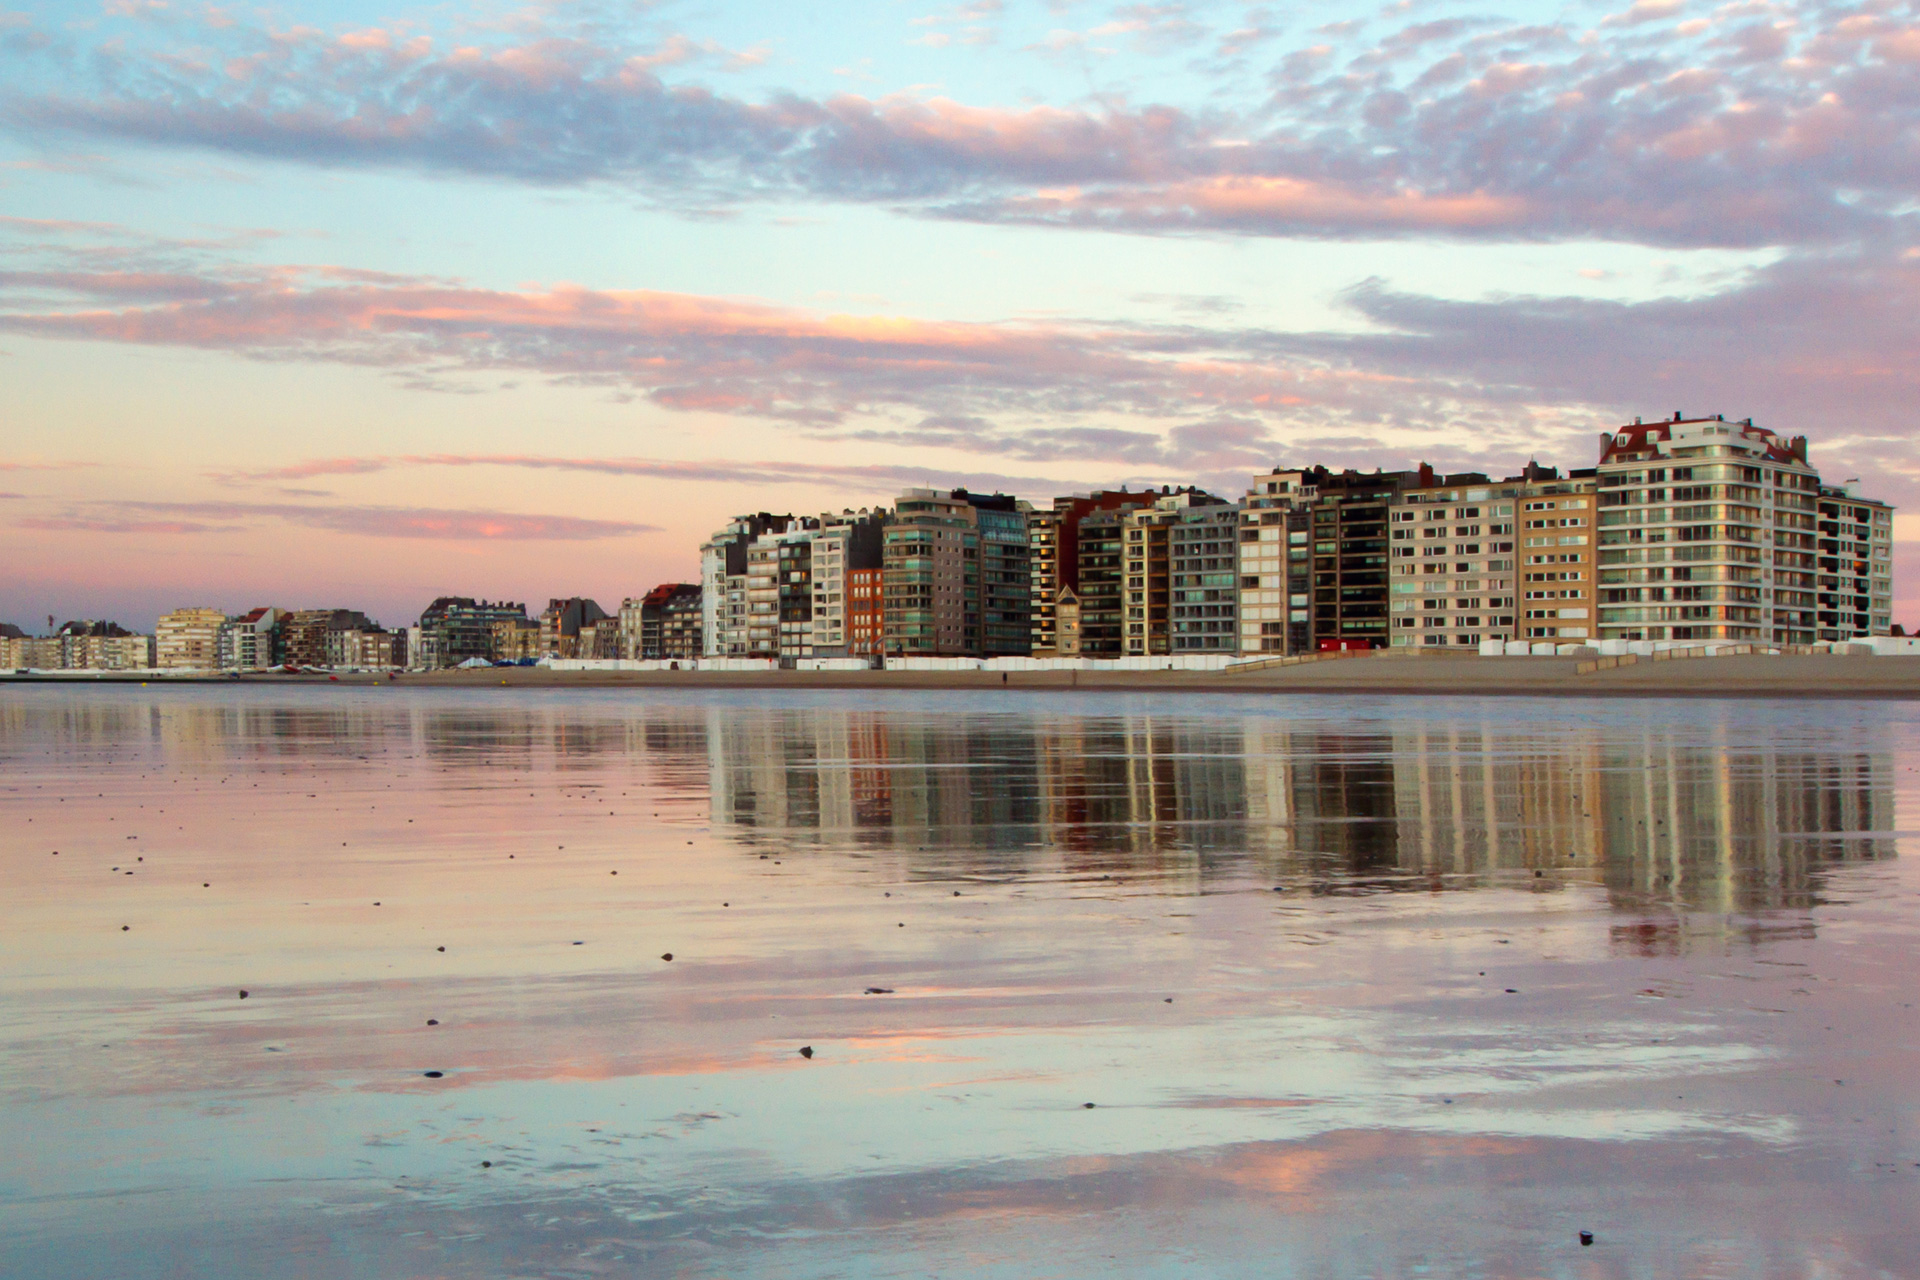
357, 304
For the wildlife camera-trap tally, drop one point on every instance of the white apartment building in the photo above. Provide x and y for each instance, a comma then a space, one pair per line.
844, 542
246, 642
1711, 530
724, 588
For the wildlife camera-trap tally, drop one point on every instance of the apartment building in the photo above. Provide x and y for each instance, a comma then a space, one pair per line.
455, 628
1148, 573
307, 633
1005, 627
866, 612
102, 646
366, 649
1179, 598
1709, 530
32, 653
188, 639
931, 576
680, 626
794, 592
1101, 590
663, 624
1853, 583
1481, 560
1557, 559
1043, 575
761, 635
816, 561
1053, 543
252, 641
724, 588
514, 640
1202, 558
564, 623
1275, 564
1349, 543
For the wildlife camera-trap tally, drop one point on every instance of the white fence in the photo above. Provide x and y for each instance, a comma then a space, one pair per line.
1881, 646
1163, 662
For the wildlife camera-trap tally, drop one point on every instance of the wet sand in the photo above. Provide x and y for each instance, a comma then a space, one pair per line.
1355, 986
1747, 676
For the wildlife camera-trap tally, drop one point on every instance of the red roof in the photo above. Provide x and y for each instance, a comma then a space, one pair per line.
1640, 437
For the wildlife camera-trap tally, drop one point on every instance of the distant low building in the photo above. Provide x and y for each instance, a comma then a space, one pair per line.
308, 632
561, 624
663, 624
516, 640
367, 649
103, 646
454, 629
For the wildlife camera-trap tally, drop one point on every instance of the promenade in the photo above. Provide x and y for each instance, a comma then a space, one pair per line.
1746, 675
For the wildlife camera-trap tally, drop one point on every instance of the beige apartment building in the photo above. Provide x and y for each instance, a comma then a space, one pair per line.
109, 653
1276, 564
515, 639
1496, 560
188, 639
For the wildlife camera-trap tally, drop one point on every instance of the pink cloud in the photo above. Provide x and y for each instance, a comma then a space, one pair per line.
370, 521
1632, 130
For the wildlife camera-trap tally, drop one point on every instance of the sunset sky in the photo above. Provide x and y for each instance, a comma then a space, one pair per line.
356, 304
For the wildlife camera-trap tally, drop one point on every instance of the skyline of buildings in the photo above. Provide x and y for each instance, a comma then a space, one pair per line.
1686, 529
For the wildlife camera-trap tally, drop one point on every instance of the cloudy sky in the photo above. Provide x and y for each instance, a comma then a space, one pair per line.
357, 303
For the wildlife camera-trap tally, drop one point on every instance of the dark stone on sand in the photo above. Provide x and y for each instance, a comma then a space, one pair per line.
1512, 992
1586, 1237
125, 927
806, 1051
243, 993
486, 1164
1088, 1106
879, 991
433, 1075
667, 956
439, 948
433, 1022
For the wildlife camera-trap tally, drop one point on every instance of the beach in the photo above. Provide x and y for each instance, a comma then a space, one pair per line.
1742, 676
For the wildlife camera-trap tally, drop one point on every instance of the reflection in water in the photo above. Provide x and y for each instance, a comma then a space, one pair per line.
1676, 812
1695, 814
1534, 965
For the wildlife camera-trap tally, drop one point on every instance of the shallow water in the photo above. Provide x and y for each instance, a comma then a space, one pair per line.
1356, 986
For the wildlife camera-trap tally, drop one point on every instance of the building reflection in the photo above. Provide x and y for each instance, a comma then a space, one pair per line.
1681, 816
1670, 815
